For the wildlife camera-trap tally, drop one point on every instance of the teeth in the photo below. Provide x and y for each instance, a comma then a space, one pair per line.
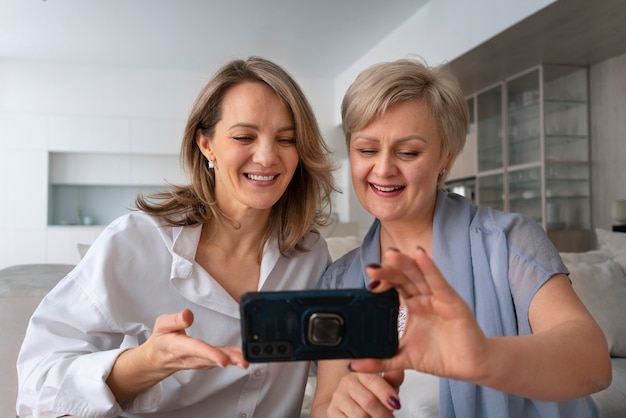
260, 178
386, 189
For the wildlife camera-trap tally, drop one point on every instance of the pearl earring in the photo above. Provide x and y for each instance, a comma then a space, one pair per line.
210, 164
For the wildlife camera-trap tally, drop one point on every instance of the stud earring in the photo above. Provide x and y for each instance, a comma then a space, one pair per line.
210, 164
443, 172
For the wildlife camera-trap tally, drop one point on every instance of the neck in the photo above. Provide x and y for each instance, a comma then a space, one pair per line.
406, 237
245, 235
408, 233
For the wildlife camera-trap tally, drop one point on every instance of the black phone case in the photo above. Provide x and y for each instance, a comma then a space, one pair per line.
319, 324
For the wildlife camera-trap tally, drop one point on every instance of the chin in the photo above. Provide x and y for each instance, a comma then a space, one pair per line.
385, 215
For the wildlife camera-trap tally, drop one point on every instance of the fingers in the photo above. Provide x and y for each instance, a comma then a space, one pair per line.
410, 276
371, 365
177, 322
170, 343
364, 395
432, 276
394, 378
399, 271
225, 356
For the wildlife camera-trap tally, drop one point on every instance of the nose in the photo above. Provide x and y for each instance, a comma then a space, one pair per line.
384, 165
265, 152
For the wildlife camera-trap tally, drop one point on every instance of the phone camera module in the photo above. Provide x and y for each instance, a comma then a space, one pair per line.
326, 329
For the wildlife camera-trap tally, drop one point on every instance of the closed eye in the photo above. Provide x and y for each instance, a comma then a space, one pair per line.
367, 151
405, 155
287, 141
243, 138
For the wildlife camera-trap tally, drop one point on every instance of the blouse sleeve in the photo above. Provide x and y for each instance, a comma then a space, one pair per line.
533, 260
72, 342
66, 357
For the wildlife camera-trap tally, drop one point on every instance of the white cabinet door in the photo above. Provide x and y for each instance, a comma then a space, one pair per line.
89, 134
95, 169
156, 136
24, 189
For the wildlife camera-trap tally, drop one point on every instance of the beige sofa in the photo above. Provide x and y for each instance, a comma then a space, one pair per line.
598, 277
21, 289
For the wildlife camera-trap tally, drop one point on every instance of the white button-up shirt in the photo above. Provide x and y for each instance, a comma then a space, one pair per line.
135, 271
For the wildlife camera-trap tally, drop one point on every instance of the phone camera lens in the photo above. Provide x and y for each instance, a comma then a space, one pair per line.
269, 349
256, 350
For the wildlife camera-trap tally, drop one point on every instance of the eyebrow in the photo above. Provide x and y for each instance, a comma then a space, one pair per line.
256, 127
398, 140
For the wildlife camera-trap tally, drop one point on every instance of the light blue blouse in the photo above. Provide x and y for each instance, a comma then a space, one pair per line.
496, 261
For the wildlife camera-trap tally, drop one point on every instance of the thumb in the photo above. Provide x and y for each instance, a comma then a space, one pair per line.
394, 378
174, 322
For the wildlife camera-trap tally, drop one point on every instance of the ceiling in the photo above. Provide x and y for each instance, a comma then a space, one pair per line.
318, 38
577, 32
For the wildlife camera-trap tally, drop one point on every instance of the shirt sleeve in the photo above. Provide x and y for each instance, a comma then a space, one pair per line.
533, 260
343, 273
73, 340
67, 355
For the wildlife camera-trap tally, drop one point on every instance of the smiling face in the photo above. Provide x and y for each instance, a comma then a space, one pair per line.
395, 162
253, 149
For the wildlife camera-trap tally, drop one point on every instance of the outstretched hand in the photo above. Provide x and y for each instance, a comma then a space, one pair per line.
170, 346
441, 335
168, 350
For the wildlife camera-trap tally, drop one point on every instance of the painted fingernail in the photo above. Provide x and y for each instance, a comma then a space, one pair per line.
374, 266
373, 284
394, 249
393, 402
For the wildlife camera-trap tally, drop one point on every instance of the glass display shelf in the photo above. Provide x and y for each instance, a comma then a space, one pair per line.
524, 119
525, 192
542, 123
559, 148
491, 190
490, 123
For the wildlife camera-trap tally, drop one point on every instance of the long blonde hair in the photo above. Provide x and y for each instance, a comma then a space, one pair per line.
304, 205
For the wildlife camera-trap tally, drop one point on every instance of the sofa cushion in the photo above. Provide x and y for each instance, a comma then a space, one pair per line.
31, 279
615, 242
612, 400
601, 285
338, 246
21, 289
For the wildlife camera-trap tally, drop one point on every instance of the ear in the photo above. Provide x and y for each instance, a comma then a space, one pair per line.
448, 160
205, 145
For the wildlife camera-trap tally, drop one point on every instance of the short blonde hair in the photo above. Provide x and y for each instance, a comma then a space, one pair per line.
388, 83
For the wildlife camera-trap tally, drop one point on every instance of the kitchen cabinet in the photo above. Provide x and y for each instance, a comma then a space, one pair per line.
533, 150
95, 188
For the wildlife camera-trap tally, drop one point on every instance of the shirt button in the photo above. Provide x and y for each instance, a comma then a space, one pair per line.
243, 415
258, 373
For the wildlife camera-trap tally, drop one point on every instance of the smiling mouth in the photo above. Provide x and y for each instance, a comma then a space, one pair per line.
260, 178
386, 189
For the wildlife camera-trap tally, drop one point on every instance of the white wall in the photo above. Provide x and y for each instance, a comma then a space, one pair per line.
50, 107
36, 96
119, 122
440, 31
607, 82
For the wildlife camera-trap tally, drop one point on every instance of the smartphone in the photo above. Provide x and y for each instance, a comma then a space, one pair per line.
318, 325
